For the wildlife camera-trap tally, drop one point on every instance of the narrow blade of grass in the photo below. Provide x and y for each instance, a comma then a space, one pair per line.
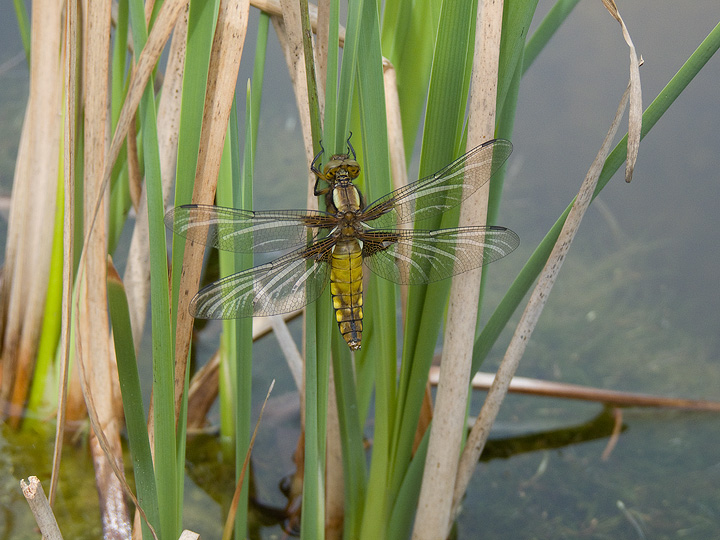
163, 366
132, 399
381, 298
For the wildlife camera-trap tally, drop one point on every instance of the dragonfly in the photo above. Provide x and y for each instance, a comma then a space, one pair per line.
334, 245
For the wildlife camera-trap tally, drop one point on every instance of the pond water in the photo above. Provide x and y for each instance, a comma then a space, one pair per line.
636, 307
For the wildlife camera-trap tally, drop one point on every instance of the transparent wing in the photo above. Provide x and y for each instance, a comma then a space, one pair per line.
245, 231
414, 257
441, 191
286, 284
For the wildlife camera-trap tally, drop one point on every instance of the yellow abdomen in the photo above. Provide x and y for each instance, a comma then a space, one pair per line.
346, 290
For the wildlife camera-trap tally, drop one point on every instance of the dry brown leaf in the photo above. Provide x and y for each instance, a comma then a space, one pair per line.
230, 519
29, 241
635, 108
159, 34
137, 271
531, 314
93, 333
227, 49
435, 505
274, 7
289, 32
72, 93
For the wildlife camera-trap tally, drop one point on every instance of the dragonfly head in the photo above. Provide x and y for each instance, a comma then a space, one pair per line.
341, 168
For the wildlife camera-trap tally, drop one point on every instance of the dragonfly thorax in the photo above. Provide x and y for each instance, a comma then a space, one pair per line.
346, 198
348, 225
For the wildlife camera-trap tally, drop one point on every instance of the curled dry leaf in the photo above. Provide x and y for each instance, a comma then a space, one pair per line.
612, 8
635, 105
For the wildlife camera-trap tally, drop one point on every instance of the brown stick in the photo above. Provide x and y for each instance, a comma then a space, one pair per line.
44, 517
538, 387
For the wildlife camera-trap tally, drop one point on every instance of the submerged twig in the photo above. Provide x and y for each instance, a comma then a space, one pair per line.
614, 436
538, 387
633, 521
635, 108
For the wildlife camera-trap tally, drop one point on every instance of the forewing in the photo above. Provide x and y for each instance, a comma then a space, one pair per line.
441, 191
412, 257
284, 285
246, 231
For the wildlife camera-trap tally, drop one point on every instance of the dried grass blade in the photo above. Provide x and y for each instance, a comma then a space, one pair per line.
137, 271
159, 34
72, 83
168, 118
289, 33
93, 333
202, 392
334, 477
274, 8
32, 213
289, 348
10, 309
322, 31
434, 517
396, 142
539, 387
230, 520
478, 435
635, 110
227, 49
104, 444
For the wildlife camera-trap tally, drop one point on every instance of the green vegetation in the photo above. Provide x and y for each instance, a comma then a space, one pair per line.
195, 145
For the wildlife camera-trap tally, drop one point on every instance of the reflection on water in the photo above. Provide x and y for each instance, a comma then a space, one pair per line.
660, 470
